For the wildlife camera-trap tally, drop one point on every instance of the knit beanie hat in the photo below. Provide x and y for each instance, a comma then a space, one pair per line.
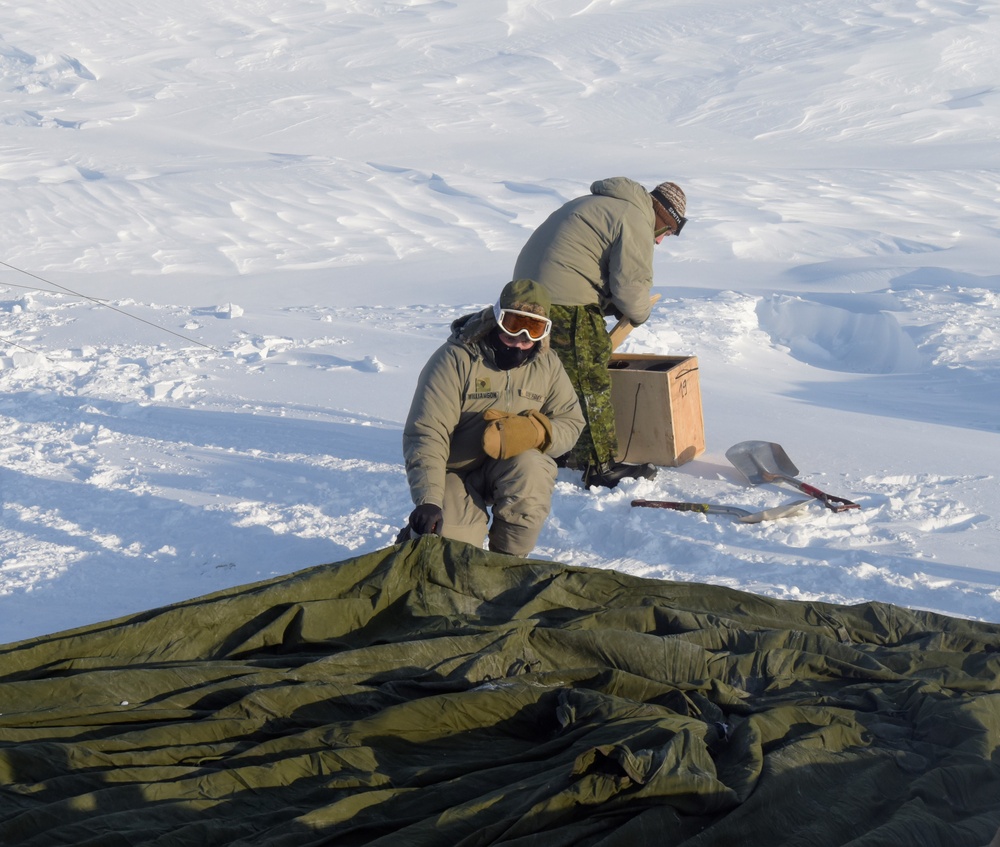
522, 293
667, 195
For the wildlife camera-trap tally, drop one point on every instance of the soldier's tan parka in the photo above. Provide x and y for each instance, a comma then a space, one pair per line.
596, 250
444, 428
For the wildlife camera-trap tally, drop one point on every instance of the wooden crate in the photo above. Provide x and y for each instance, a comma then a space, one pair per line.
657, 402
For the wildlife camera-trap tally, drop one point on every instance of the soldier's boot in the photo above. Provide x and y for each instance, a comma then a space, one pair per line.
609, 474
568, 460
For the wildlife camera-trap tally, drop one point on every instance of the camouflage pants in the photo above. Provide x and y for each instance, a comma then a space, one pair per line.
580, 338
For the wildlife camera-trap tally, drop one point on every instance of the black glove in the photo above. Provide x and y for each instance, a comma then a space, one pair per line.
426, 519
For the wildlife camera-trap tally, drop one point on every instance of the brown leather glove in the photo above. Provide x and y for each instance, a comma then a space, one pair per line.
507, 435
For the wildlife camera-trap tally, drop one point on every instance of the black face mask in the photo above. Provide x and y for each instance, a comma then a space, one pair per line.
507, 358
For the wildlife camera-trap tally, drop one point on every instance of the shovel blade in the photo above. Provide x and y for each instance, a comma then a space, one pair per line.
775, 513
761, 461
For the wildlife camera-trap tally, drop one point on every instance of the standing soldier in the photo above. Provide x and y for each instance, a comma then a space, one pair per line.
493, 405
594, 257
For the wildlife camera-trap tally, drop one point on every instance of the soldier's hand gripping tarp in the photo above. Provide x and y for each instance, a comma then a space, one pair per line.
433, 694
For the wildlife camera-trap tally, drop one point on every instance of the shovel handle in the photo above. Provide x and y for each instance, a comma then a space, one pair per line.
670, 504
836, 504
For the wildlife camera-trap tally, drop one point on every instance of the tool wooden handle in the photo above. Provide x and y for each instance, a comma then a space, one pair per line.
624, 326
836, 504
670, 504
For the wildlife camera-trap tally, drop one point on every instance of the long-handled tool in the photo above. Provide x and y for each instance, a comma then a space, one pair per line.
762, 461
624, 326
743, 515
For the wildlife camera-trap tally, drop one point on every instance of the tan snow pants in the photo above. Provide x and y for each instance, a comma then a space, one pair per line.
517, 490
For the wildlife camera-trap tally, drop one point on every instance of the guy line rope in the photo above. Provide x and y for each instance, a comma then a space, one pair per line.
92, 300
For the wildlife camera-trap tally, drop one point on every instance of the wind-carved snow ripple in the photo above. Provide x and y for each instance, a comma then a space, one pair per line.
28, 73
836, 339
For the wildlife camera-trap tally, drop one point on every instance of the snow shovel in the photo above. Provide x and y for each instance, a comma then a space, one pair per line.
743, 515
762, 461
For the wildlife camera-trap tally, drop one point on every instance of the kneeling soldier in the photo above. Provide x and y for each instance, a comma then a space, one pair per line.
492, 407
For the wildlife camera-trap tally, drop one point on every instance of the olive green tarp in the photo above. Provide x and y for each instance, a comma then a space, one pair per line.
434, 694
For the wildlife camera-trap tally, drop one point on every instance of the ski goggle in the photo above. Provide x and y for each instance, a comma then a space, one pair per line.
678, 218
515, 322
